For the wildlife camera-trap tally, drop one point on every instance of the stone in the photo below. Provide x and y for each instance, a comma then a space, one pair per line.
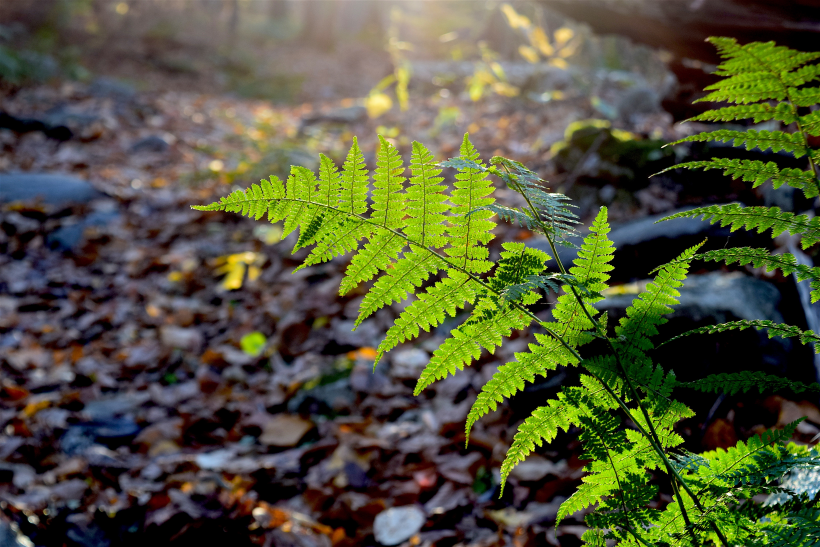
535, 468
285, 430
398, 524
407, 364
344, 115
188, 339
11, 536
723, 296
53, 189
108, 87
150, 144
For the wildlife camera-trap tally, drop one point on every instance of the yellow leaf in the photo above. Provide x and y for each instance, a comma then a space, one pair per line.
236, 273
563, 35
377, 104
498, 70
538, 38
560, 63
505, 89
528, 53
254, 272
515, 19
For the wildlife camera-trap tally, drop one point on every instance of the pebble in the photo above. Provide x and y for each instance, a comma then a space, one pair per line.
398, 524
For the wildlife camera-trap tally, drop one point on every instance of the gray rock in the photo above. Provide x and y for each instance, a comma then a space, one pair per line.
643, 245
10, 536
723, 296
53, 189
398, 524
108, 87
188, 339
151, 144
345, 115
407, 364
68, 237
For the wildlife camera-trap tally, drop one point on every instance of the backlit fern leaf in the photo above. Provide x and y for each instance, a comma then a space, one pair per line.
761, 258
648, 309
591, 269
747, 380
492, 319
773, 329
426, 201
756, 172
756, 112
388, 212
546, 421
444, 298
764, 140
470, 229
757, 218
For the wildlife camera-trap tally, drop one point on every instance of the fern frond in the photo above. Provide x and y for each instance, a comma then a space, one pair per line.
426, 201
388, 186
723, 464
747, 380
761, 258
302, 189
797, 529
741, 59
756, 172
378, 254
353, 194
555, 211
647, 310
545, 422
388, 211
428, 311
407, 274
591, 270
773, 329
757, 218
756, 112
764, 140
471, 227
491, 320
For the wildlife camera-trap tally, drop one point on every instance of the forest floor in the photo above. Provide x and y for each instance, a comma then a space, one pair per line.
130, 411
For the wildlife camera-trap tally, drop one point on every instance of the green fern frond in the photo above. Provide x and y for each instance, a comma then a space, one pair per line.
491, 320
591, 270
761, 258
764, 140
555, 211
757, 218
388, 186
648, 309
426, 201
747, 380
471, 227
353, 194
402, 279
545, 422
756, 172
428, 311
378, 254
756, 112
723, 464
773, 329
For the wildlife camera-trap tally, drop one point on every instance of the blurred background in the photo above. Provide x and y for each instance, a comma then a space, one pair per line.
164, 377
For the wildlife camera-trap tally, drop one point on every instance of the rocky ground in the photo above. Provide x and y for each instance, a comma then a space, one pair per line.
132, 413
